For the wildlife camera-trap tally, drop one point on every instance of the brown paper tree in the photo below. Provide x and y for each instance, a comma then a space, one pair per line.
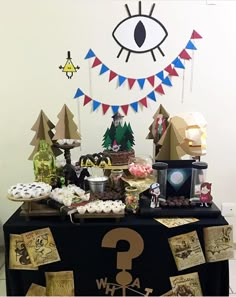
43, 128
66, 128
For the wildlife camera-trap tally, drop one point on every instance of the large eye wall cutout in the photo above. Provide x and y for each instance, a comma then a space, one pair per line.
140, 33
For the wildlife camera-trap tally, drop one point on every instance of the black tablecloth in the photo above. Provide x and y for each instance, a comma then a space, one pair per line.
95, 267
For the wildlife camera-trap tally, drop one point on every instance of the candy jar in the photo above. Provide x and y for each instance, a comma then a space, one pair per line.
115, 179
140, 166
131, 199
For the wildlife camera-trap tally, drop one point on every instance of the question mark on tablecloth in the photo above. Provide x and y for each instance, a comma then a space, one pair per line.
124, 259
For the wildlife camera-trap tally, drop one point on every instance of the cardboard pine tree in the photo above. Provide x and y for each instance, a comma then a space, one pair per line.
66, 128
43, 128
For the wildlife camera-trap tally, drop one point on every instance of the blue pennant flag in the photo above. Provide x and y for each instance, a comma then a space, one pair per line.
134, 105
166, 81
96, 104
160, 75
90, 54
78, 93
115, 108
190, 45
152, 96
141, 82
178, 64
121, 80
104, 69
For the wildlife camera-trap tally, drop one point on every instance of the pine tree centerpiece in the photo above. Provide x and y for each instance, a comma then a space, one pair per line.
118, 141
43, 131
67, 137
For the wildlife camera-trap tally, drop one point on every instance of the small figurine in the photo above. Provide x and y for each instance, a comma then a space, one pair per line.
205, 195
155, 193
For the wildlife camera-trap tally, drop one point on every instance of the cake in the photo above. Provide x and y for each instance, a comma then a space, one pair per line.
118, 141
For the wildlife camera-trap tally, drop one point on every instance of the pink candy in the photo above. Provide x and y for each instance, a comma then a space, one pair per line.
140, 170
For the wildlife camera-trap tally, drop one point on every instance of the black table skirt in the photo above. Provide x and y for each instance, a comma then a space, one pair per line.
95, 267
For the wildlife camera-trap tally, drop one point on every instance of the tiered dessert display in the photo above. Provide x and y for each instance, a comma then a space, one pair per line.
105, 184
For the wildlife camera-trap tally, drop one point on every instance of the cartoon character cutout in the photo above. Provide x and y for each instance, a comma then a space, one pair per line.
22, 253
205, 195
155, 193
160, 126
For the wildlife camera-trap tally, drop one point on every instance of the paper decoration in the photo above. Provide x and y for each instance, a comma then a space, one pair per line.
133, 33
41, 247
163, 76
43, 128
159, 124
219, 243
186, 250
60, 283
36, 290
170, 69
18, 255
66, 127
176, 222
186, 285
69, 67
119, 137
184, 137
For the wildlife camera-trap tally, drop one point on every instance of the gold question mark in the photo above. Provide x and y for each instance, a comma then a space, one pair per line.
124, 259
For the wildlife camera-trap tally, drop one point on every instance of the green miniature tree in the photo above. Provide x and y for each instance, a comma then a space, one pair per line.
118, 136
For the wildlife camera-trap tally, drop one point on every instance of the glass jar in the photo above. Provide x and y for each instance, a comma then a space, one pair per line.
140, 166
116, 182
44, 163
199, 170
131, 199
161, 173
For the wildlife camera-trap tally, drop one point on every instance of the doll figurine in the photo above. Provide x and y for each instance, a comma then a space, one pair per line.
205, 195
155, 193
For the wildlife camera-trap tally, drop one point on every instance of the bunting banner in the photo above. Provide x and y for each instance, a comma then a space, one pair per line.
163, 76
121, 79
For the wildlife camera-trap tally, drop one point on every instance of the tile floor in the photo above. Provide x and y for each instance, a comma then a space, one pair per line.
232, 266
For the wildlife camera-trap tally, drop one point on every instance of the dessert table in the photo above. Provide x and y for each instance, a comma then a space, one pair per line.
95, 265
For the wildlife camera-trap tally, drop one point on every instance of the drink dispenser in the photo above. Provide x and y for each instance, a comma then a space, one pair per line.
161, 171
199, 170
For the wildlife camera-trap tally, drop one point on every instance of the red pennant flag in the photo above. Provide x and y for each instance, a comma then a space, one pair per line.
185, 55
151, 80
143, 101
112, 75
96, 62
174, 72
105, 108
125, 108
195, 35
159, 89
168, 69
87, 99
131, 82
171, 71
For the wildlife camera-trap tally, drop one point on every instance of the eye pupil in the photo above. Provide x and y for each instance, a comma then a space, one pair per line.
139, 34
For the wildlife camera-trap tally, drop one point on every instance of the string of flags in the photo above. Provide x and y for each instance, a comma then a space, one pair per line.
163, 76
121, 79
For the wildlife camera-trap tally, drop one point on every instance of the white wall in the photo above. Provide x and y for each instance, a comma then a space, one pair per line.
35, 37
